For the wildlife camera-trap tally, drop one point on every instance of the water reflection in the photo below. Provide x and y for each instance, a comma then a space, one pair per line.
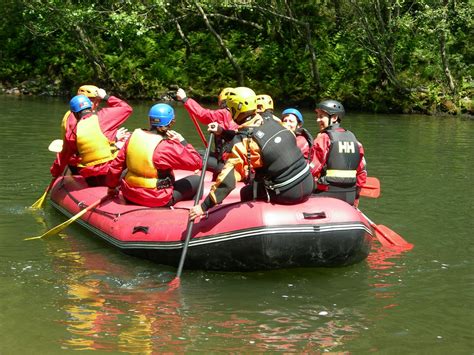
110, 307
386, 279
381, 258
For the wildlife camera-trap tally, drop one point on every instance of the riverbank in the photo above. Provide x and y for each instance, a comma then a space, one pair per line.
443, 106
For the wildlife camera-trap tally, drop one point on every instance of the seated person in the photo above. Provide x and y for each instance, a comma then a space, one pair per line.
221, 117
338, 163
264, 155
293, 120
150, 156
89, 137
69, 122
265, 107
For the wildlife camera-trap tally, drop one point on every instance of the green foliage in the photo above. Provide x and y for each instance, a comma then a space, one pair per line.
375, 56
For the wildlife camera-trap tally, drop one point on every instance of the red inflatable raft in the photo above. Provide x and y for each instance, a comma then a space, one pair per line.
235, 236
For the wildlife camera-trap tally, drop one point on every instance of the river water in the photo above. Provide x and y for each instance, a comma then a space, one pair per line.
75, 292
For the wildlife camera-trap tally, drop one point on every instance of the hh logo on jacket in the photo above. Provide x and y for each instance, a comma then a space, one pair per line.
346, 147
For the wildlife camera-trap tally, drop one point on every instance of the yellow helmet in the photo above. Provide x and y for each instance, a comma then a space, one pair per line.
88, 90
222, 98
264, 102
241, 100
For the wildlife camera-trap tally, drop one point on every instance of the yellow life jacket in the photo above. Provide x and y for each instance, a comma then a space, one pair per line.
64, 124
141, 170
93, 146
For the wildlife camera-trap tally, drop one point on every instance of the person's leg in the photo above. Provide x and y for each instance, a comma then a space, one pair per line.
346, 195
185, 188
213, 164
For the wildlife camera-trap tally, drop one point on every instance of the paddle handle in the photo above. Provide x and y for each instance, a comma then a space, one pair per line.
197, 199
199, 130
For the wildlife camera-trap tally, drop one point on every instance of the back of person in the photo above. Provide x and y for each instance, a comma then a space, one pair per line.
93, 146
69, 122
141, 171
266, 148
338, 163
89, 139
150, 156
220, 116
284, 163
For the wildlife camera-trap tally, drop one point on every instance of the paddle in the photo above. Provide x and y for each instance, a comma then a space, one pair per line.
371, 188
39, 203
189, 229
198, 128
65, 224
387, 237
56, 146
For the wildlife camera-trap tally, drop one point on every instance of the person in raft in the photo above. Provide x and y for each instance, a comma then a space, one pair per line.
69, 122
221, 117
264, 155
91, 137
150, 157
265, 107
338, 163
292, 119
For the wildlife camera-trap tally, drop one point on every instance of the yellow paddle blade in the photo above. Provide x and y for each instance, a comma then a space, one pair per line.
65, 224
40, 201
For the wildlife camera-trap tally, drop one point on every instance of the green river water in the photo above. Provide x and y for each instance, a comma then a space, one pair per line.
75, 292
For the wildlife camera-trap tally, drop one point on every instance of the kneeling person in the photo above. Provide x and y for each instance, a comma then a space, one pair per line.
150, 157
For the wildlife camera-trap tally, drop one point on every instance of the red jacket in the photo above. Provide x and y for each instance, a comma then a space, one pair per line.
110, 120
303, 144
168, 155
320, 148
206, 116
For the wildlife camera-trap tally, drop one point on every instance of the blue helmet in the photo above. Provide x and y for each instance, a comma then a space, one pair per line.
295, 112
161, 115
79, 103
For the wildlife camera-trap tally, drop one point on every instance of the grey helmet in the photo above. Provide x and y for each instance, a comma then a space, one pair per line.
332, 107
